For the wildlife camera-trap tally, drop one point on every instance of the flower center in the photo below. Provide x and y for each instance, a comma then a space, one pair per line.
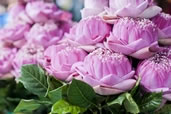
161, 61
105, 55
140, 23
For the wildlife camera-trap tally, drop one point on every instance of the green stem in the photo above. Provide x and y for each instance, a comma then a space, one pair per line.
100, 109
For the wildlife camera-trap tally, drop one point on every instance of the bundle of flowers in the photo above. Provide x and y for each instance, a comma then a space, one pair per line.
117, 59
32, 26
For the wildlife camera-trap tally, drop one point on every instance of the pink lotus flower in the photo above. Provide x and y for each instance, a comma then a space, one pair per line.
45, 34
28, 54
108, 73
6, 57
133, 37
90, 30
155, 74
40, 11
60, 58
17, 13
132, 8
163, 22
14, 33
93, 7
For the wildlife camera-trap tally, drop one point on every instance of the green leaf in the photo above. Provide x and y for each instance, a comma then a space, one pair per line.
34, 79
58, 94
165, 110
150, 102
119, 100
130, 104
27, 106
53, 84
63, 107
99, 99
3, 94
80, 94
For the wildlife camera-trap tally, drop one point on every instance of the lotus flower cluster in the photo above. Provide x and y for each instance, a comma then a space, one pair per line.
99, 50
32, 26
121, 8
113, 30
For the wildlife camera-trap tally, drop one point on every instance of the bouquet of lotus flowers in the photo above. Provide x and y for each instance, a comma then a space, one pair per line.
117, 59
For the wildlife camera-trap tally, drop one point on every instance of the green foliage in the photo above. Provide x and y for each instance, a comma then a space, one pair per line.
63, 107
150, 102
80, 94
46, 94
34, 79
166, 109
128, 102
27, 106
58, 94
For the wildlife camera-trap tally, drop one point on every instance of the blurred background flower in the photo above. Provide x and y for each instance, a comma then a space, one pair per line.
73, 6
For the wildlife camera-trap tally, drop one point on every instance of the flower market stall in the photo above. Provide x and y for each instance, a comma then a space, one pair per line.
116, 59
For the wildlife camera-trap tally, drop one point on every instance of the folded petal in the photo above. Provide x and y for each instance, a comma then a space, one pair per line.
150, 12
106, 90
125, 85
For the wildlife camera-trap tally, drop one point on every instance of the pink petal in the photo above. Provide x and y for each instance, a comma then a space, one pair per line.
86, 12
143, 6
167, 96
110, 79
113, 45
106, 91
130, 11
150, 12
93, 82
113, 79
88, 48
126, 85
79, 67
143, 53
61, 75
167, 32
159, 90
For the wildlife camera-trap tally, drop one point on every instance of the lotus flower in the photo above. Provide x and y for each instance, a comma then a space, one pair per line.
163, 22
28, 54
155, 74
40, 11
60, 58
89, 31
17, 13
14, 33
93, 7
6, 57
134, 37
107, 72
45, 34
132, 8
